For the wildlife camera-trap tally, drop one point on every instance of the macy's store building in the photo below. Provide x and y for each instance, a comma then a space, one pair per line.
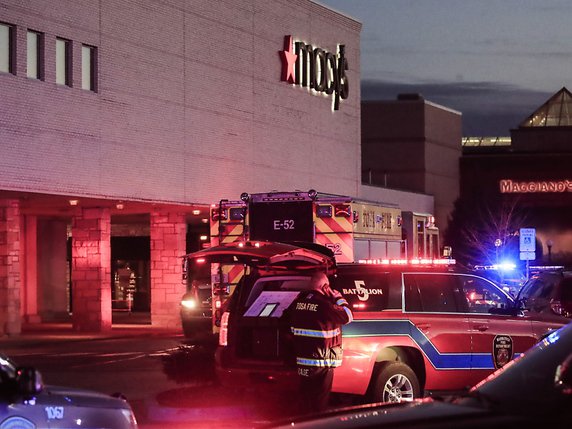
121, 122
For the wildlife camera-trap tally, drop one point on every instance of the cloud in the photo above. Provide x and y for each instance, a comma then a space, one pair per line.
488, 108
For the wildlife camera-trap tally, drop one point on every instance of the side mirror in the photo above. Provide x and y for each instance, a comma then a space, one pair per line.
520, 304
29, 381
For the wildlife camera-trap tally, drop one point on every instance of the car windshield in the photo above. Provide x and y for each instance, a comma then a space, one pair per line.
539, 286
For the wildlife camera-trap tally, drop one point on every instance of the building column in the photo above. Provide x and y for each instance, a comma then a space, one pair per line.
168, 245
51, 269
91, 270
29, 269
10, 279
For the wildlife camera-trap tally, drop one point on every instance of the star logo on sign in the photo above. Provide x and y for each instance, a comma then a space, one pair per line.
288, 60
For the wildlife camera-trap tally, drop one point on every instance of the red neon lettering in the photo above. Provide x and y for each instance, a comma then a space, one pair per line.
505, 186
508, 186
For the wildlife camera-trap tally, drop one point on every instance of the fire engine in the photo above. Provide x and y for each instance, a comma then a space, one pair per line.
352, 229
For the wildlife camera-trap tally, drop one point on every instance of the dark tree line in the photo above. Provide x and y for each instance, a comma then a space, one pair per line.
483, 230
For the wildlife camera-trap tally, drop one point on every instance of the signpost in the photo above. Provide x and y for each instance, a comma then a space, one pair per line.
527, 246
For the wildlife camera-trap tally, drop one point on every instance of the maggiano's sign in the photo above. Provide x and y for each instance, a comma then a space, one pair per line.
527, 187
315, 68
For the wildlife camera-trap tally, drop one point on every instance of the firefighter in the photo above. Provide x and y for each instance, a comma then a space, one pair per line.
316, 317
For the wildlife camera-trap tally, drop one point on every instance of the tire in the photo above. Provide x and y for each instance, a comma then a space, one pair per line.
395, 382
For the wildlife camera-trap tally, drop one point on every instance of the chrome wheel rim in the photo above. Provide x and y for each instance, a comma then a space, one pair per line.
398, 389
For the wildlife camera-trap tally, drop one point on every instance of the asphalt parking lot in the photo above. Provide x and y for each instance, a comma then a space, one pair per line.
167, 380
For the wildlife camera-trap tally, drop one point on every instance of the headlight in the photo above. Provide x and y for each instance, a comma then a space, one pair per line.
189, 303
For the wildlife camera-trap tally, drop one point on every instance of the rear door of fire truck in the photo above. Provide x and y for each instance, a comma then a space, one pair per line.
312, 217
281, 217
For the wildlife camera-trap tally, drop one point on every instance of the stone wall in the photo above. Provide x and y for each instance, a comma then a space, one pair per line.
91, 270
168, 233
10, 322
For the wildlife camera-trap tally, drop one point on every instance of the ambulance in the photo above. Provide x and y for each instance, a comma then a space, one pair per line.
352, 229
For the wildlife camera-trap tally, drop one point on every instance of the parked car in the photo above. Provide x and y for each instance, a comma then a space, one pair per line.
548, 293
26, 403
507, 276
419, 328
533, 390
196, 304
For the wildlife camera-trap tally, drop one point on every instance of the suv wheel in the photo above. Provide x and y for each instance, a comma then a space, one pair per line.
395, 382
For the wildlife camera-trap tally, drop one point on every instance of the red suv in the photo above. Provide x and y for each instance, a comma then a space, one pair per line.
418, 327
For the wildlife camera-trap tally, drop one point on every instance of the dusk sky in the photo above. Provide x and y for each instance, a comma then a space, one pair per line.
496, 61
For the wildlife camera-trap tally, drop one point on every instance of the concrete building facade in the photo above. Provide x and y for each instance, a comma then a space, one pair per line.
121, 121
413, 145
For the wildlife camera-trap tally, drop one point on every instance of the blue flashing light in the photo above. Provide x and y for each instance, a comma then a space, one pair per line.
505, 266
552, 338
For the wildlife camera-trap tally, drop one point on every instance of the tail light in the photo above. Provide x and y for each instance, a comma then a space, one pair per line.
343, 210
223, 333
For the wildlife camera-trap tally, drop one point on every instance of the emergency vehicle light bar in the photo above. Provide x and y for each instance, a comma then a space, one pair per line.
547, 267
268, 199
343, 210
227, 203
407, 262
219, 214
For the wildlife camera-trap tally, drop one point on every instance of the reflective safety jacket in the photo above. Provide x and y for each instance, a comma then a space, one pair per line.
315, 322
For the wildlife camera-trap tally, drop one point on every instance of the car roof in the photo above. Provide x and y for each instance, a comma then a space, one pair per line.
440, 268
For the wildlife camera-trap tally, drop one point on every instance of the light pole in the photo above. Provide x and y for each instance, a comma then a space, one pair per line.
498, 243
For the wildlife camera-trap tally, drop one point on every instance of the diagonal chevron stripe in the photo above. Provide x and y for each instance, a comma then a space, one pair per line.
392, 328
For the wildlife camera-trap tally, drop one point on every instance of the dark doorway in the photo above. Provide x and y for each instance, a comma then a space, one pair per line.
130, 274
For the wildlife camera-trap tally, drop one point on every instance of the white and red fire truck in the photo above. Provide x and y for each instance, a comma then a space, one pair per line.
354, 230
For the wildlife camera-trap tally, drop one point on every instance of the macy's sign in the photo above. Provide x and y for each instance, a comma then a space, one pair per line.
315, 68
